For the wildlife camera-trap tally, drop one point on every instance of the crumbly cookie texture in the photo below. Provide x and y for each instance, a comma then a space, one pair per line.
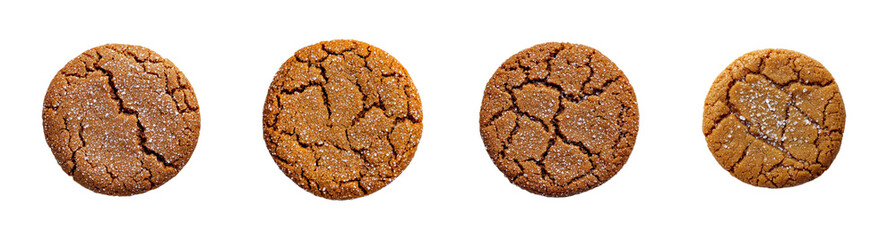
774, 118
342, 119
559, 119
120, 119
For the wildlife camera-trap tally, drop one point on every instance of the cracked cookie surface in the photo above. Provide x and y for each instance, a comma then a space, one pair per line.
559, 119
120, 119
342, 119
774, 118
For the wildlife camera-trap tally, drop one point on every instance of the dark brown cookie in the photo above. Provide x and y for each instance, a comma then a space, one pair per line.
559, 119
120, 119
774, 118
342, 119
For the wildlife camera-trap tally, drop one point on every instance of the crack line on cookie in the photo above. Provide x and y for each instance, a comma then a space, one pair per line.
122, 109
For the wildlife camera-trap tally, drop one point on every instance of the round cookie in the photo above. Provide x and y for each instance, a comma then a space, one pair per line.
774, 118
559, 119
342, 119
120, 119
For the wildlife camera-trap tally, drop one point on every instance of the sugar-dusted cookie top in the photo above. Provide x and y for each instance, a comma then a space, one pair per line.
120, 119
774, 118
342, 119
559, 119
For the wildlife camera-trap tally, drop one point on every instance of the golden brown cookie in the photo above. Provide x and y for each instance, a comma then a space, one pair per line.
342, 119
774, 118
559, 119
120, 119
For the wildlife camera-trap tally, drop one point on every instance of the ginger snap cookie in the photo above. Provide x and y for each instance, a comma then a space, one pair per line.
342, 119
774, 118
559, 119
120, 119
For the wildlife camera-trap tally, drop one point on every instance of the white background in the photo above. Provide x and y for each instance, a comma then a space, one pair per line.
671, 186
